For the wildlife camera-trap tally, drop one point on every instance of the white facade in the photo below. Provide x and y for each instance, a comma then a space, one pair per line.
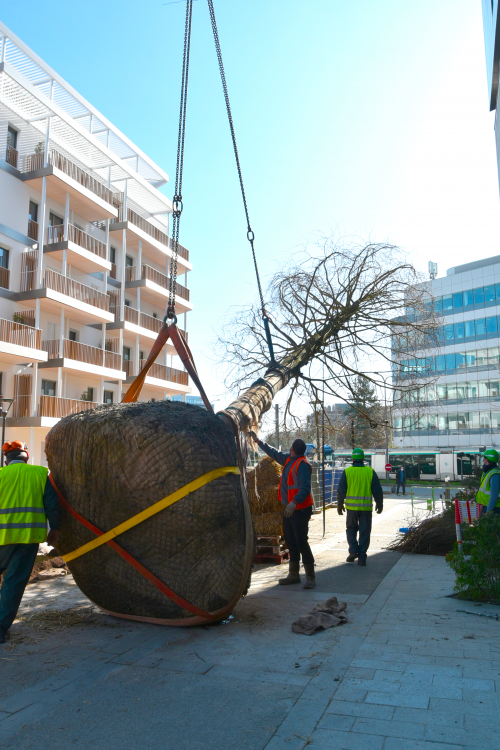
461, 406
84, 254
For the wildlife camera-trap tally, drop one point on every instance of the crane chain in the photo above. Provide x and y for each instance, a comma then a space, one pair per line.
250, 234
177, 200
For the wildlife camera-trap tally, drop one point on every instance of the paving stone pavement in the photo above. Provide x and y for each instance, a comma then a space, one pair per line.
407, 672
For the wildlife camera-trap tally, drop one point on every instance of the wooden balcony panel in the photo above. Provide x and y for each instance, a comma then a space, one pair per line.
12, 156
55, 407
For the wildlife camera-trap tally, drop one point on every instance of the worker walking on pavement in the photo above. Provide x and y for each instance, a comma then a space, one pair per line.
294, 492
27, 500
489, 490
357, 485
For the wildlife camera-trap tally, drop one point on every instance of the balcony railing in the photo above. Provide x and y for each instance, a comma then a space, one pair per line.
162, 372
4, 277
57, 160
64, 285
78, 236
112, 273
11, 156
22, 335
131, 315
133, 367
148, 228
53, 406
157, 277
32, 229
90, 355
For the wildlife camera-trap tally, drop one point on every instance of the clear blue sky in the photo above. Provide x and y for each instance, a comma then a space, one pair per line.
368, 118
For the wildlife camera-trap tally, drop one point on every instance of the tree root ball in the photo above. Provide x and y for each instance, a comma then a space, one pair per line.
112, 462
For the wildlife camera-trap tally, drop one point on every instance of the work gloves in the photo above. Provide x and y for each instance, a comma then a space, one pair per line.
340, 508
379, 507
289, 509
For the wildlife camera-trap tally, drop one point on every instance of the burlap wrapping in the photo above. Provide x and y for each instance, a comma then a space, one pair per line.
113, 462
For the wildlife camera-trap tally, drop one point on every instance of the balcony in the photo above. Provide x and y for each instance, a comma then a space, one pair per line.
33, 230
154, 287
49, 410
90, 198
12, 156
83, 251
159, 376
91, 360
20, 343
156, 245
139, 324
4, 277
84, 304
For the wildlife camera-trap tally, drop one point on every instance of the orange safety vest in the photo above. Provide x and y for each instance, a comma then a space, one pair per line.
292, 483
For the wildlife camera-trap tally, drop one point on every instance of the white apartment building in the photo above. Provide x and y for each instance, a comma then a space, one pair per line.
84, 254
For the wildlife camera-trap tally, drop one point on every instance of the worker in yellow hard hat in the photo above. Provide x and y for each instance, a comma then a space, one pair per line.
27, 501
489, 490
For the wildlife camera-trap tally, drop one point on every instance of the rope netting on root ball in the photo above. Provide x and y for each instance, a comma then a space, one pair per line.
114, 462
262, 484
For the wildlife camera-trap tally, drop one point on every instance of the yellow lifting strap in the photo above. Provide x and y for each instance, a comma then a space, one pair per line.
152, 510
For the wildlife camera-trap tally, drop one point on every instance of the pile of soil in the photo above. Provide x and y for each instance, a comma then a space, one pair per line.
432, 536
47, 568
267, 511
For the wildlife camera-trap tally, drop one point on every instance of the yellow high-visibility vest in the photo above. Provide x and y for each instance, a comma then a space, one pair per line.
359, 488
22, 515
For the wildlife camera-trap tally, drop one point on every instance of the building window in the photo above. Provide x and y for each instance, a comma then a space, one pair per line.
129, 261
54, 220
141, 355
33, 211
48, 388
11, 137
72, 335
112, 254
88, 395
126, 353
108, 397
4, 257
127, 303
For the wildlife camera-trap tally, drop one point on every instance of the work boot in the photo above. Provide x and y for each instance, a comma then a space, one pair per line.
362, 562
293, 574
4, 635
310, 577
350, 558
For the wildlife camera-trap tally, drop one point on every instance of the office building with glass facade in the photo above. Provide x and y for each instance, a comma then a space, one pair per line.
457, 403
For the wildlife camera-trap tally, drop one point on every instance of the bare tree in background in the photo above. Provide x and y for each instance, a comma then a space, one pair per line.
334, 313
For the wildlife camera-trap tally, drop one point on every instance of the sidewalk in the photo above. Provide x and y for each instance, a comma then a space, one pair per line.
407, 672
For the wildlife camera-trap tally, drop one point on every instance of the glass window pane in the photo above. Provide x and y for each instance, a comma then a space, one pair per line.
495, 420
438, 303
479, 295
431, 393
472, 389
460, 360
483, 388
482, 357
441, 392
462, 419
491, 324
447, 302
493, 355
452, 391
458, 299
440, 363
450, 361
494, 388
470, 358
461, 390
485, 420
489, 293
460, 330
480, 327
453, 421
449, 332
432, 422
470, 328
442, 422
468, 298
498, 290
474, 420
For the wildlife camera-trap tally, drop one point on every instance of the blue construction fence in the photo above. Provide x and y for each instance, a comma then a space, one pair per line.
332, 479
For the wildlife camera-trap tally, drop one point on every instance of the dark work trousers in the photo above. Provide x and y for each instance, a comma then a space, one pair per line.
359, 520
17, 561
401, 484
296, 529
